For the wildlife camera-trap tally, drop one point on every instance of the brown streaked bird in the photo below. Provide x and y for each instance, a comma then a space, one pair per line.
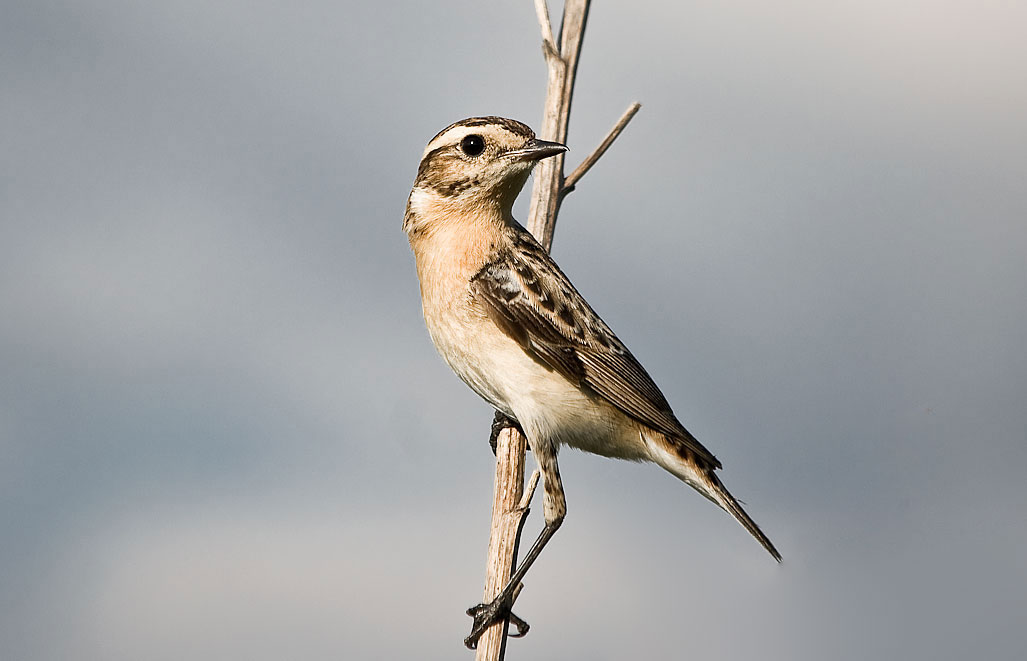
513, 327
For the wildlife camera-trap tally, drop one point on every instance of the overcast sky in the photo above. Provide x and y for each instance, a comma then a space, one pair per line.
224, 432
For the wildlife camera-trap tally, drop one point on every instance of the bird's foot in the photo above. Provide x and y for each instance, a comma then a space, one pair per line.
487, 614
499, 423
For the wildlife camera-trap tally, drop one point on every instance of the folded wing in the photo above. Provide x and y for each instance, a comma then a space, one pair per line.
530, 298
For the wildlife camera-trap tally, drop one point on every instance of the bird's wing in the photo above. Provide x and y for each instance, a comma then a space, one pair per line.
530, 298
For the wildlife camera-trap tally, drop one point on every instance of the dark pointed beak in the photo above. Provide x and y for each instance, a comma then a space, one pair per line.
536, 150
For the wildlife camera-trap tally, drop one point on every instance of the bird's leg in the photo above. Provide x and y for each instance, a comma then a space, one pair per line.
499, 423
555, 504
485, 614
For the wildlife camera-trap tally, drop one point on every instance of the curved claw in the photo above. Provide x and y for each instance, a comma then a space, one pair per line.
487, 614
500, 422
522, 626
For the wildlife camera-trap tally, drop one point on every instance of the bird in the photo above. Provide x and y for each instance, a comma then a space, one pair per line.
510, 324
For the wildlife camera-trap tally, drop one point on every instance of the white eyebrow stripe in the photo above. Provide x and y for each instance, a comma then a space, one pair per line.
452, 136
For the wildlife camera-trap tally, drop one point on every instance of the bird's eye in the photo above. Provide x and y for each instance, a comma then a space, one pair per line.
472, 145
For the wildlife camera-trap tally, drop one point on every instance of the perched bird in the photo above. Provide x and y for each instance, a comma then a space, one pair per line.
513, 327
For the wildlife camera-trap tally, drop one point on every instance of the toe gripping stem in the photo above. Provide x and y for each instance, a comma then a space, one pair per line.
499, 423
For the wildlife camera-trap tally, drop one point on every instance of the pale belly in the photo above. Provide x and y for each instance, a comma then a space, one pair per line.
547, 405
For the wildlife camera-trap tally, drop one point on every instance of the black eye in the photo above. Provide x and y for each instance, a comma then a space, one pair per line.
472, 145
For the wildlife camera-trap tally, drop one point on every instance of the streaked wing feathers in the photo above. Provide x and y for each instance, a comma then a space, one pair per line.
531, 299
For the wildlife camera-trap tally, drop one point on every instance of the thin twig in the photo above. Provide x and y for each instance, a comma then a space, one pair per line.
530, 491
548, 41
572, 179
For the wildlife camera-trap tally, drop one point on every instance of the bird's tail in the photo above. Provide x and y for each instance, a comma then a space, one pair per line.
684, 464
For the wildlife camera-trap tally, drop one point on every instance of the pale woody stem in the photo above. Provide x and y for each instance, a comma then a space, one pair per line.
510, 501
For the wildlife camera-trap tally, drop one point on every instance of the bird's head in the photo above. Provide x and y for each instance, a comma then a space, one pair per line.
478, 162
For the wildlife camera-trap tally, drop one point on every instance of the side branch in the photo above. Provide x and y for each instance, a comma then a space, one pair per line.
572, 179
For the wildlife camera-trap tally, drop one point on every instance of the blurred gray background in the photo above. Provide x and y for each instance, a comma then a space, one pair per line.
224, 432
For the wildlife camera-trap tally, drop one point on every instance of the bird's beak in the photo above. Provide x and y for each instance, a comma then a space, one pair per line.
536, 150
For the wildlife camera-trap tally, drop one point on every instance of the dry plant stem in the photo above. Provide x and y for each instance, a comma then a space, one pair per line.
507, 523
562, 63
574, 177
508, 515
510, 501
